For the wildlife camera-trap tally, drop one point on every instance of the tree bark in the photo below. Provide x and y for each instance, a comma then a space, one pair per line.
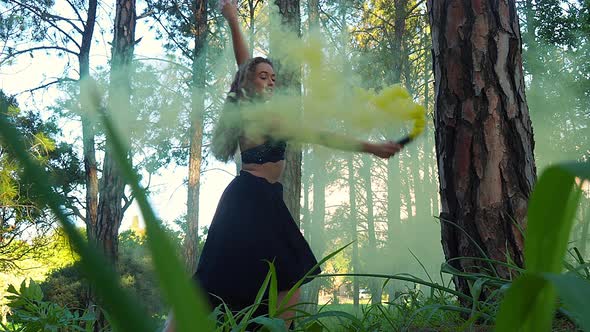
89, 150
191, 242
110, 209
291, 180
484, 137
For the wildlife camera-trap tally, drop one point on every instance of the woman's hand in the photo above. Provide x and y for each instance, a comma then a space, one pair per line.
382, 150
229, 9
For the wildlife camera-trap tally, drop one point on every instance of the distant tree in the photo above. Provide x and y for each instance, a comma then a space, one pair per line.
30, 27
21, 215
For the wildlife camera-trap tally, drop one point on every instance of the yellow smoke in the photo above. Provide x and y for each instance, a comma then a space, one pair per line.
329, 99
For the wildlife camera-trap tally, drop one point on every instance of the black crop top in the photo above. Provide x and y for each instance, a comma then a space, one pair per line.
269, 151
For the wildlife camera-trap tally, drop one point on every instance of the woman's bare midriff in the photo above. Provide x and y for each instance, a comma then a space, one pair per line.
270, 171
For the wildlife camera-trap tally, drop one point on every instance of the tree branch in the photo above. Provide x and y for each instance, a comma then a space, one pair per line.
37, 11
38, 48
128, 202
77, 14
60, 80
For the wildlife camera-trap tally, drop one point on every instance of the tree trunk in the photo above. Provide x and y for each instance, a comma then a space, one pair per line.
191, 242
484, 137
305, 184
393, 164
88, 144
313, 7
90, 166
393, 209
372, 240
353, 232
110, 209
291, 180
317, 236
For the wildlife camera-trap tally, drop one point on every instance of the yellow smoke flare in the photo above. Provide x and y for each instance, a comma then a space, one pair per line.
329, 99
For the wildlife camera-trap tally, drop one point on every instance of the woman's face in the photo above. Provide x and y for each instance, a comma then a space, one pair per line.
264, 80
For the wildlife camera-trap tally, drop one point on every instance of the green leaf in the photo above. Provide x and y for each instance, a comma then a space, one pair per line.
550, 219
519, 310
530, 302
575, 293
12, 289
272, 324
257, 301
33, 291
273, 291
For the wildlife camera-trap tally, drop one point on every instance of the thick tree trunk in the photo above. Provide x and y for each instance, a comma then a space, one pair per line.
484, 138
110, 209
191, 242
291, 180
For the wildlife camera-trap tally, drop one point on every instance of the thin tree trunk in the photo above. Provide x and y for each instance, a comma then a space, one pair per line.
306, 179
191, 243
353, 231
90, 165
484, 138
393, 209
318, 238
88, 135
372, 240
110, 209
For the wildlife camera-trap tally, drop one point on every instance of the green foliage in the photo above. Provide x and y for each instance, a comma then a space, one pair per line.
556, 48
530, 302
32, 314
67, 287
19, 204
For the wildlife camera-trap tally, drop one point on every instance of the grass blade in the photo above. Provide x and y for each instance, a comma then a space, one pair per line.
188, 304
124, 311
574, 292
520, 309
551, 213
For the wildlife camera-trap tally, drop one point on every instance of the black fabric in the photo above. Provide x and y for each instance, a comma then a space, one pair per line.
269, 151
252, 224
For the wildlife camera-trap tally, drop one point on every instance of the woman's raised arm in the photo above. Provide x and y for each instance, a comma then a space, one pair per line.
230, 12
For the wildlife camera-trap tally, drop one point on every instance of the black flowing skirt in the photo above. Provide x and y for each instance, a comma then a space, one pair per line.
251, 227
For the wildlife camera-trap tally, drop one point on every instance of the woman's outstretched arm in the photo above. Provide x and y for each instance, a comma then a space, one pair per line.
347, 143
230, 12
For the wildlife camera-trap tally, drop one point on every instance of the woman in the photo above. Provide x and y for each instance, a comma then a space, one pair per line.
252, 226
